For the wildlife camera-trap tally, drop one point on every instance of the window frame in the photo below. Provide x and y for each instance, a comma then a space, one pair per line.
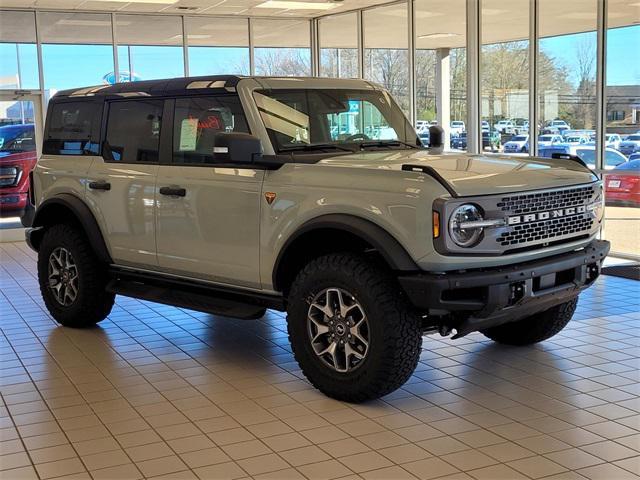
171, 105
96, 126
105, 124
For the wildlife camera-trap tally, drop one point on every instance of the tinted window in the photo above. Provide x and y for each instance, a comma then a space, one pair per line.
73, 129
17, 139
197, 121
133, 131
632, 165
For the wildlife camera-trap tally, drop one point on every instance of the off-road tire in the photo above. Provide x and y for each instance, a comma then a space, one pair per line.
536, 328
93, 303
395, 333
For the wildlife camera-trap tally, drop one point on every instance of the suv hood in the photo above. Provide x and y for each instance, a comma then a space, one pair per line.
469, 175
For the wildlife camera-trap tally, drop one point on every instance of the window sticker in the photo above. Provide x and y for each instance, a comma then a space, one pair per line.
188, 135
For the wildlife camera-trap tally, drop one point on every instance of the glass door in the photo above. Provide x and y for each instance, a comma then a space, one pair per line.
20, 143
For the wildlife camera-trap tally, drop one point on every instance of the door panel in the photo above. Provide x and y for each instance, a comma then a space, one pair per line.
125, 212
213, 231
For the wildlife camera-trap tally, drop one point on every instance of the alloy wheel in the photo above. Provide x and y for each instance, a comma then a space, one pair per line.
63, 276
338, 329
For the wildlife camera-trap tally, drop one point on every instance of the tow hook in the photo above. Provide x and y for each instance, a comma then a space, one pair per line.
518, 290
592, 272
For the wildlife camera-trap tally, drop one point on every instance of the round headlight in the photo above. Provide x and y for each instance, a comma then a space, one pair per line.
464, 235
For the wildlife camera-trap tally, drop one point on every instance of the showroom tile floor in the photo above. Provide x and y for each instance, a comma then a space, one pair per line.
157, 391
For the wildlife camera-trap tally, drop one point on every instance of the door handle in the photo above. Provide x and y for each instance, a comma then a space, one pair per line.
173, 191
100, 185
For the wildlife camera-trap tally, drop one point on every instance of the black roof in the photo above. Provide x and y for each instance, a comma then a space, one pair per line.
169, 86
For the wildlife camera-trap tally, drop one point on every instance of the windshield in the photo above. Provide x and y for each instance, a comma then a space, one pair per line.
17, 139
519, 138
457, 124
635, 138
299, 119
545, 138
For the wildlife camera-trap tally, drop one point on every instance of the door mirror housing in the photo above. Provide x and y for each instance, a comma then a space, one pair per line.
235, 147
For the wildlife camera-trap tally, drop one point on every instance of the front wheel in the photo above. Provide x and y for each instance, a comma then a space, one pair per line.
536, 328
72, 279
353, 335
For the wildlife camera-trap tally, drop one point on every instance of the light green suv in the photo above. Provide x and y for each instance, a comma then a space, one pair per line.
231, 195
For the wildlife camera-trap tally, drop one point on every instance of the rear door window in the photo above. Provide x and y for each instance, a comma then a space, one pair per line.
198, 120
133, 131
73, 128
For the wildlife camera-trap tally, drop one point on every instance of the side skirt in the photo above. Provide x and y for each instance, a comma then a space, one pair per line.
194, 295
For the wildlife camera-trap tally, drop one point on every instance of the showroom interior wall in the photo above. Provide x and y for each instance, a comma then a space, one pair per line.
448, 60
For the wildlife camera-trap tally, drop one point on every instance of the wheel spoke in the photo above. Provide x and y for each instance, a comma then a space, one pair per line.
355, 331
63, 276
321, 329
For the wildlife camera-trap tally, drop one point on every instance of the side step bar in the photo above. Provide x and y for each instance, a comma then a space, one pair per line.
192, 295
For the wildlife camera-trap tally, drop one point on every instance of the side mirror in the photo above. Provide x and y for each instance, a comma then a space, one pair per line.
436, 136
236, 148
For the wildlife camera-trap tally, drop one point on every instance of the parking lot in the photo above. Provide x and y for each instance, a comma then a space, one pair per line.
622, 229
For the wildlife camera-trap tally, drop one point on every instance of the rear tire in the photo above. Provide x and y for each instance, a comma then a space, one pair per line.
536, 328
72, 279
349, 297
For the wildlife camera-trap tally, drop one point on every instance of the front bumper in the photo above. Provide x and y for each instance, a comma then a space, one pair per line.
484, 298
13, 204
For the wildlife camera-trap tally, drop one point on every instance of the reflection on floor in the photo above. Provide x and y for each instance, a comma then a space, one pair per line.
160, 391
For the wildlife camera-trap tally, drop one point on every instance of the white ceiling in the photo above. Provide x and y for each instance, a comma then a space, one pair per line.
439, 23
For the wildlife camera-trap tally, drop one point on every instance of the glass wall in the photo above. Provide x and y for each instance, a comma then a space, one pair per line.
217, 46
18, 51
441, 71
566, 73
67, 63
622, 154
338, 38
386, 50
504, 76
149, 47
282, 47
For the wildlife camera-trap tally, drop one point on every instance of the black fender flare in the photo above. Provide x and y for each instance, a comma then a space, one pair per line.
82, 214
389, 248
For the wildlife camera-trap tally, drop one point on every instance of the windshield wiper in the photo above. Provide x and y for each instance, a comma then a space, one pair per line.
386, 143
314, 146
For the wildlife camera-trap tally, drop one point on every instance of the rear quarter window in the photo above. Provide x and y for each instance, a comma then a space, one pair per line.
73, 128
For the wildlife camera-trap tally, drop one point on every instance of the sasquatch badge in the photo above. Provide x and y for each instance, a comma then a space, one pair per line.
270, 197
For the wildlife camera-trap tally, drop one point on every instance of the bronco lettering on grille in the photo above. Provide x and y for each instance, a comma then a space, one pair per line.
534, 217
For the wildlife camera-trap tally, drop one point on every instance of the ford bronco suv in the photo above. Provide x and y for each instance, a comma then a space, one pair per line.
231, 195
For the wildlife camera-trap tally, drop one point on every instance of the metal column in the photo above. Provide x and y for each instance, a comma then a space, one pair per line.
473, 77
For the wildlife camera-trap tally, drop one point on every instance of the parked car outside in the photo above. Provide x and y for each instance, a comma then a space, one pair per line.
622, 185
561, 125
612, 157
485, 126
457, 127
630, 145
459, 142
17, 159
517, 144
491, 140
575, 139
548, 140
505, 127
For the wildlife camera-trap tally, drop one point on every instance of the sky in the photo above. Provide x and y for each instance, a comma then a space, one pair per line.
68, 66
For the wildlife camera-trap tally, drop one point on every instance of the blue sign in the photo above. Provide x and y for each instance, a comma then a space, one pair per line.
124, 76
354, 106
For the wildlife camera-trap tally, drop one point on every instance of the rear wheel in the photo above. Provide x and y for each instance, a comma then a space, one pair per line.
72, 279
353, 335
536, 328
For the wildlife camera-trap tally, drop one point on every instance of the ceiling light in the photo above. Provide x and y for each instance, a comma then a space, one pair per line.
439, 35
283, 4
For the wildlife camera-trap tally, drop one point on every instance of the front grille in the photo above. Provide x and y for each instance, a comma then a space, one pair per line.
547, 229
550, 229
540, 202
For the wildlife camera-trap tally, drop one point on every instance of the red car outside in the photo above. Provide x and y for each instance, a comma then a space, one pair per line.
17, 158
622, 185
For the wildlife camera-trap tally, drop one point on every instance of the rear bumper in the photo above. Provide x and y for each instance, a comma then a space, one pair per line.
481, 299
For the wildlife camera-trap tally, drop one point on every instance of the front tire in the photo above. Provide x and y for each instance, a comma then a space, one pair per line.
72, 279
536, 328
353, 335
